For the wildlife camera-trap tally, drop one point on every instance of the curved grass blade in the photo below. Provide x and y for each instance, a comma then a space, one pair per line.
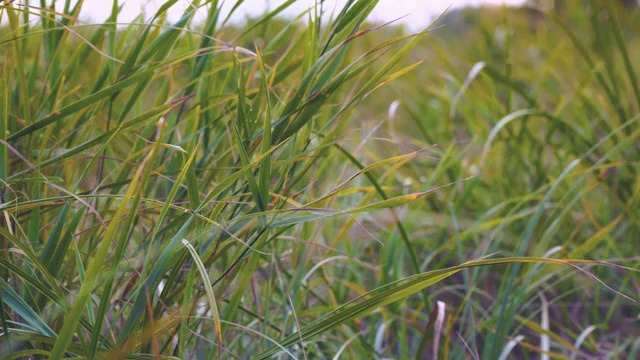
17, 304
387, 294
210, 294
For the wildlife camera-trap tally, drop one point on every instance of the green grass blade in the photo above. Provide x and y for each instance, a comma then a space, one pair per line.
210, 294
93, 272
388, 294
17, 304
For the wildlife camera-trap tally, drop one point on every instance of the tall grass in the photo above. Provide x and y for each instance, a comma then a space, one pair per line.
173, 190
544, 108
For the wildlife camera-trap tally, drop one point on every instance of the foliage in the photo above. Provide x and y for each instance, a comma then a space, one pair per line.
257, 191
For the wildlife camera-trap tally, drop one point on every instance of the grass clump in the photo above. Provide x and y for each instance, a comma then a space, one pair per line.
226, 191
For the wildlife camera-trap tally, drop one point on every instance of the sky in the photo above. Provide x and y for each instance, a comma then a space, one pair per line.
419, 13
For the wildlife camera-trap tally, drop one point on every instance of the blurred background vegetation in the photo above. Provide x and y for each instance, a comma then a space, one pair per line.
307, 163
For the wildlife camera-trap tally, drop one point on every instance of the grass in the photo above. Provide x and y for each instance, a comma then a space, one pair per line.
317, 189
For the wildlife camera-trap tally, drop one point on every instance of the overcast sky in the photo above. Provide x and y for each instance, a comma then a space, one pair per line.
418, 12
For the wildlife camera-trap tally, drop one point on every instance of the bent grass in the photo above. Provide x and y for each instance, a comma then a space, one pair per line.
180, 193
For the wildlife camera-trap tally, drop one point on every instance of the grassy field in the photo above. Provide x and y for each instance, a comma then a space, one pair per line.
320, 190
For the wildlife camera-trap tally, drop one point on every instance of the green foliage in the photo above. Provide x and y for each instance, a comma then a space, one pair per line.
226, 191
